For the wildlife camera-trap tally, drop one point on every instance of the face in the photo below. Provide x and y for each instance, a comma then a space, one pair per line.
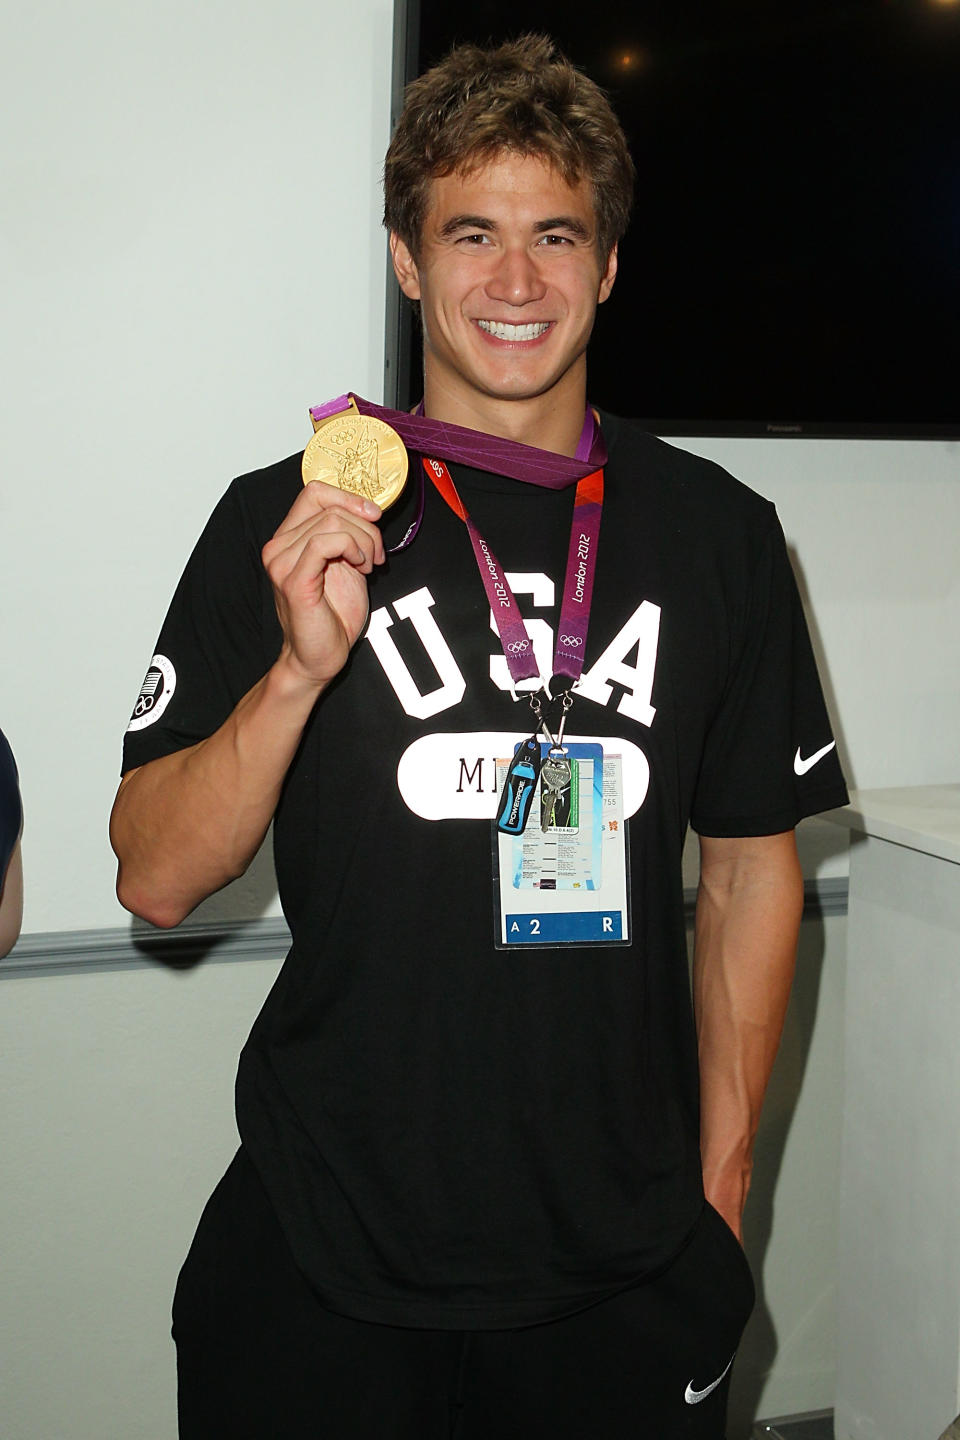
509, 279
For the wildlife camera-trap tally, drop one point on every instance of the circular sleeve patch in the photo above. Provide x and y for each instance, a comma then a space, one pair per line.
156, 692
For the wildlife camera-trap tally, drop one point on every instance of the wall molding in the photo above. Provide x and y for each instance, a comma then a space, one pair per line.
139, 946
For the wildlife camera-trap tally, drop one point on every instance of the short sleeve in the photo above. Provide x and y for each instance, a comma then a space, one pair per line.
11, 812
219, 637
770, 757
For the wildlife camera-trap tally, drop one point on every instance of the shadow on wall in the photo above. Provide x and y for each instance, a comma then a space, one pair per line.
760, 1345
248, 899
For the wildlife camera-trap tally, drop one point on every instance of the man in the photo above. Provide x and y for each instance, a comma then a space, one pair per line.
469, 1198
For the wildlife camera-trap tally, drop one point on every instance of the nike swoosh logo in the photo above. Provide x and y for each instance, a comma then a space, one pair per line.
693, 1397
801, 766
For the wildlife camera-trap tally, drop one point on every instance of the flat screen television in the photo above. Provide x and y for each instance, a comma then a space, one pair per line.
793, 263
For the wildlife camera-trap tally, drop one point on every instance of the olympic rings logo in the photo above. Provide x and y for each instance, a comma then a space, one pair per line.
573, 640
517, 647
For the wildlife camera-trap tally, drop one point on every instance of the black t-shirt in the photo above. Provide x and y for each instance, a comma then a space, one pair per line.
10, 809
456, 1135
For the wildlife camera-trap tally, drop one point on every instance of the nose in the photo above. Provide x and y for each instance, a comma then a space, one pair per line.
516, 278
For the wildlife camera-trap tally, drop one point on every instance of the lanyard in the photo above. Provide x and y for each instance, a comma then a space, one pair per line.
427, 436
571, 637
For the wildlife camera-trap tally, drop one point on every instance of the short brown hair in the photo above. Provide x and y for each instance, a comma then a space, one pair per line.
524, 97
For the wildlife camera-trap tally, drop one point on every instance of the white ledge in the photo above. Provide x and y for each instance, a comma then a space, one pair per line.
919, 817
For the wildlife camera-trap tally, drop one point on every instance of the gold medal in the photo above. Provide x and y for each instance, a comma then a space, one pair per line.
358, 453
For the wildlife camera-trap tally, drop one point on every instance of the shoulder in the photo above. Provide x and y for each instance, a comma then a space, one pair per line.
248, 512
685, 491
261, 498
242, 521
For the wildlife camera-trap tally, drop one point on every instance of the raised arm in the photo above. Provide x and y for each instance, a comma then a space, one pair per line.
749, 905
184, 825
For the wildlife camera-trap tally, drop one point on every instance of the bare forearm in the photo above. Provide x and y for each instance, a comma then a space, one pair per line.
748, 916
186, 824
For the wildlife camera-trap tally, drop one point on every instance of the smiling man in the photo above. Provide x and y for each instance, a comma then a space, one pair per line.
509, 270
494, 1153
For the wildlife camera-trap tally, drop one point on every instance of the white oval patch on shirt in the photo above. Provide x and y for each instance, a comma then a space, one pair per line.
454, 776
156, 692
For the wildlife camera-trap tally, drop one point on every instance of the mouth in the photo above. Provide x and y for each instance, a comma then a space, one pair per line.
500, 330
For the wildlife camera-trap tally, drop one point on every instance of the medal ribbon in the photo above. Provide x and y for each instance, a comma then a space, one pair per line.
571, 637
484, 452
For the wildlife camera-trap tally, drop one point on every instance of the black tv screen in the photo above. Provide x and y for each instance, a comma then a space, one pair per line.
793, 263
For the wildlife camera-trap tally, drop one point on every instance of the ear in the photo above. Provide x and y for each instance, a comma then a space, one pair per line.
404, 267
608, 276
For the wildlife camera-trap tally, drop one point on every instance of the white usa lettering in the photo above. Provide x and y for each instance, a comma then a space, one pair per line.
416, 608
630, 659
642, 631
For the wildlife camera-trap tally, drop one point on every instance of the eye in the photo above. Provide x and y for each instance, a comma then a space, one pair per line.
475, 239
553, 241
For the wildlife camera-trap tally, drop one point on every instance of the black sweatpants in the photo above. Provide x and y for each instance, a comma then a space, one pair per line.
259, 1358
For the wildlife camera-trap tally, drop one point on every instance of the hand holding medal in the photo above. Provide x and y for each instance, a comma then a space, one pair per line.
318, 561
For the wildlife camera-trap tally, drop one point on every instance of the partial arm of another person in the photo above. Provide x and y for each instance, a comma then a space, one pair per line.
11, 901
749, 906
185, 824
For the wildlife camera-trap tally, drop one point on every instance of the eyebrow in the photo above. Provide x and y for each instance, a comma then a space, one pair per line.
571, 223
564, 222
466, 222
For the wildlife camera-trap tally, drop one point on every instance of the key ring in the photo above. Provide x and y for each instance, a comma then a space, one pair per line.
537, 708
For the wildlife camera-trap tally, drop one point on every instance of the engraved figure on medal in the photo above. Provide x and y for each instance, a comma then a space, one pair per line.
357, 463
359, 454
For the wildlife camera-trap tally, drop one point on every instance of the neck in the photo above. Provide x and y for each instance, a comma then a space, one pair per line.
550, 422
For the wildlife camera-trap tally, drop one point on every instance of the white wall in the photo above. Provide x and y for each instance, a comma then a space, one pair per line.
874, 527
116, 1122
190, 257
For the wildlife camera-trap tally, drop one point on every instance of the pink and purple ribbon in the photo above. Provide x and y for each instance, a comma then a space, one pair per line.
570, 644
484, 452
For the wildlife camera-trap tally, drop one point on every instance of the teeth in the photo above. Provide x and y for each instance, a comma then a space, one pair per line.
501, 331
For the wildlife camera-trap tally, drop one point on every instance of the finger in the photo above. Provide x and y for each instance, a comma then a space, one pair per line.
313, 546
329, 521
286, 546
318, 496
319, 558
308, 510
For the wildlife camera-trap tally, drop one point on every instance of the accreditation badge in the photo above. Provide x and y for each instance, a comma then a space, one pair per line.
564, 880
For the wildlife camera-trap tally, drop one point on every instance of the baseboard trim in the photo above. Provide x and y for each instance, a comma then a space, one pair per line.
139, 946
